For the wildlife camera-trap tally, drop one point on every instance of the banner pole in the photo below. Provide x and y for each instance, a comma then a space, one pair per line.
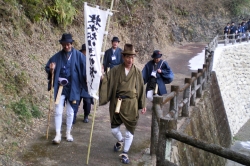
107, 27
95, 103
91, 132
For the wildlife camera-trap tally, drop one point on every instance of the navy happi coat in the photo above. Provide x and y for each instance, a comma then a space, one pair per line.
165, 77
77, 73
109, 62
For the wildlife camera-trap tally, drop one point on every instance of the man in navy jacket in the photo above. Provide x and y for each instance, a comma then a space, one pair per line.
68, 64
112, 56
158, 72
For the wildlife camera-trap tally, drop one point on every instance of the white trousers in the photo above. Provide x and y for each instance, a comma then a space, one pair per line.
127, 139
59, 112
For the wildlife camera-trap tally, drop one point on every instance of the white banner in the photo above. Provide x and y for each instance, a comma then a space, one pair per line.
95, 23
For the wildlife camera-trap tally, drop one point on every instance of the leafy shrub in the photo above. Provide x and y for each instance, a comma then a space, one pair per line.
16, 82
21, 108
36, 113
236, 6
62, 11
33, 9
25, 110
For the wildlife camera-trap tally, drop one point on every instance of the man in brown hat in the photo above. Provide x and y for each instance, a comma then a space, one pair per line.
127, 88
68, 65
112, 56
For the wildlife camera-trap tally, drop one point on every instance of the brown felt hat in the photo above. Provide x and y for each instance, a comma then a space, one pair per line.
129, 49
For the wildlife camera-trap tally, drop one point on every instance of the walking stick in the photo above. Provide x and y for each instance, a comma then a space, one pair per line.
51, 102
93, 121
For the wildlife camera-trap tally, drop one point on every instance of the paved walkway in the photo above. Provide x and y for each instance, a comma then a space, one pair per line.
42, 152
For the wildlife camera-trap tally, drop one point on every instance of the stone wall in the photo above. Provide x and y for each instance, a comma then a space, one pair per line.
208, 123
232, 66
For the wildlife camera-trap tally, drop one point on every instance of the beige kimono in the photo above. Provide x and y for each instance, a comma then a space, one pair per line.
115, 84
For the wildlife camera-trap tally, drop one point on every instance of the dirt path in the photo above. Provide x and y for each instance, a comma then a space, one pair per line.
41, 152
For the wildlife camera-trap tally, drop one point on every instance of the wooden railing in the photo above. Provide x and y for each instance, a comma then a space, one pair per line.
160, 147
233, 38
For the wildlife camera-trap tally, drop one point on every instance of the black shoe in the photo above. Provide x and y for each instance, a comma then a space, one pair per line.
124, 158
85, 120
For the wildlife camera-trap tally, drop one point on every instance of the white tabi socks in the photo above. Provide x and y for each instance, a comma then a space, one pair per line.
127, 140
58, 120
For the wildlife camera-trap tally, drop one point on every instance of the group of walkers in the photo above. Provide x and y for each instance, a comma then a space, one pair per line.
241, 28
122, 85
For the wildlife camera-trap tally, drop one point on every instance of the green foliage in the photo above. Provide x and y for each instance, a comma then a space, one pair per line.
21, 108
17, 82
14, 143
25, 110
13, 81
124, 20
36, 113
58, 11
33, 9
62, 12
181, 11
236, 6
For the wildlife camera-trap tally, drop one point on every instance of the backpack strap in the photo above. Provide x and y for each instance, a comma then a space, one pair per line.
161, 64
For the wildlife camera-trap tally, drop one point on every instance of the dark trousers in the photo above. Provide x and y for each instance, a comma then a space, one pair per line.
86, 107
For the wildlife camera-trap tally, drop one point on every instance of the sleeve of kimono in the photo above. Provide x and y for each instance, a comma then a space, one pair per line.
141, 92
105, 59
166, 73
49, 75
47, 69
104, 90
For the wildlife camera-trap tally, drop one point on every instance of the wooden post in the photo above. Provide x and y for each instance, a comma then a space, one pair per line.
164, 144
206, 54
225, 40
204, 85
193, 88
209, 46
233, 39
173, 102
208, 64
247, 36
211, 62
217, 40
156, 109
199, 82
214, 44
186, 95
